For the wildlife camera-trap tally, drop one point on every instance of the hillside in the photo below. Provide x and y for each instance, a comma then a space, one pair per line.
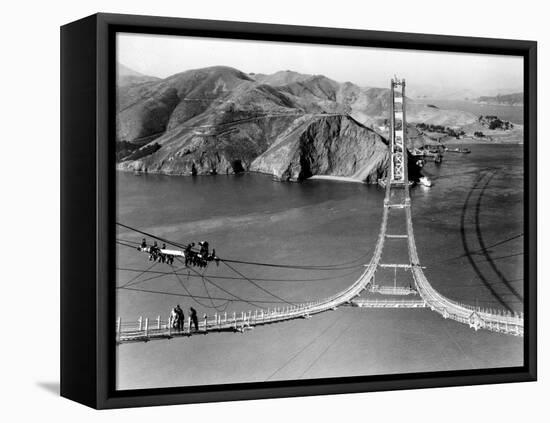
291, 125
369, 106
220, 120
127, 76
326, 145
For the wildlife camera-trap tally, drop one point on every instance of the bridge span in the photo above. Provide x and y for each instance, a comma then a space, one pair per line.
397, 200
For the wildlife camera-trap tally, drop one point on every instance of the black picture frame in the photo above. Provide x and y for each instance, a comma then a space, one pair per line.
88, 201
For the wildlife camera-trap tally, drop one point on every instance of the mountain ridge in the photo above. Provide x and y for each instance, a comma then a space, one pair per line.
221, 120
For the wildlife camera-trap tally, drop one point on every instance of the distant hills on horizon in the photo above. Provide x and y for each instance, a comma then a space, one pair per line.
423, 92
514, 99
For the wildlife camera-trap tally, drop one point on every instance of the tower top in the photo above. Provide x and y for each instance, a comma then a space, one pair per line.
396, 81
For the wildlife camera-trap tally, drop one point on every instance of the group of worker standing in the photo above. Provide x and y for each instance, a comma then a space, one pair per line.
156, 254
177, 319
199, 258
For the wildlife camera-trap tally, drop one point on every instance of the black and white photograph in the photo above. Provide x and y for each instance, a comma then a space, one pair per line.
275, 212
290, 211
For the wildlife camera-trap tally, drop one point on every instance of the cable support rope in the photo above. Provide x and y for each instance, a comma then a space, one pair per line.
257, 285
177, 275
339, 266
197, 301
231, 300
221, 288
161, 275
128, 241
208, 292
152, 236
129, 283
125, 269
211, 300
133, 247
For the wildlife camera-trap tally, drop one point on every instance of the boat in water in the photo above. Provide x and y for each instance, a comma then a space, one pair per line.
459, 150
425, 181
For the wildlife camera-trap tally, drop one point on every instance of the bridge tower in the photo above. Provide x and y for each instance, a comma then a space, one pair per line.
398, 133
397, 201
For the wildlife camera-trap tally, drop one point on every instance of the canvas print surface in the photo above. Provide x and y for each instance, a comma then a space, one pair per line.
293, 211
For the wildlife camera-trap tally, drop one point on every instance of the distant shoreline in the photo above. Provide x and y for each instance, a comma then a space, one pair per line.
475, 141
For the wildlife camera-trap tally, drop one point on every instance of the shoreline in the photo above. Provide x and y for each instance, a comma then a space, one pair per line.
473, 141
332, 178
252, 172
336, 179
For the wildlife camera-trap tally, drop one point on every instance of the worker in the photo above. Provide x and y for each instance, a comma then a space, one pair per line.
143, 245
215, 257
181, 317
162, 256
153, 252
204, 248
174, 318
188, 253
194, 318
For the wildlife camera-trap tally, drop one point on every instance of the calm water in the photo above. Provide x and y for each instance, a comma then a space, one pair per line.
476, 200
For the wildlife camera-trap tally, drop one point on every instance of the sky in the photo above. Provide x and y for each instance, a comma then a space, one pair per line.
427, 73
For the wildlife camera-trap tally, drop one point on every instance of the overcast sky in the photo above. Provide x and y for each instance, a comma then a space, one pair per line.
163, 56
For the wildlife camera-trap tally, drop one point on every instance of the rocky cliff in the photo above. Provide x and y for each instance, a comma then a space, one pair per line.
291, 148
325, 145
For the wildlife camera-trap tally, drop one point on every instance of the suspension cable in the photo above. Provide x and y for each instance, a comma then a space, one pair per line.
231, 300
257, 285
197, 301
221, 288
125, 269
129, 283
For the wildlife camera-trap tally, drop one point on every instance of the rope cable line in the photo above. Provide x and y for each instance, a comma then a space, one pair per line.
223, 289
176, 294
339, 266
257, 285
129, 283
195, 299
126, 269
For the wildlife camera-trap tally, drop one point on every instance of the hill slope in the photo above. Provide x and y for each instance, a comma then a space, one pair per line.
127, 76
291, 125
